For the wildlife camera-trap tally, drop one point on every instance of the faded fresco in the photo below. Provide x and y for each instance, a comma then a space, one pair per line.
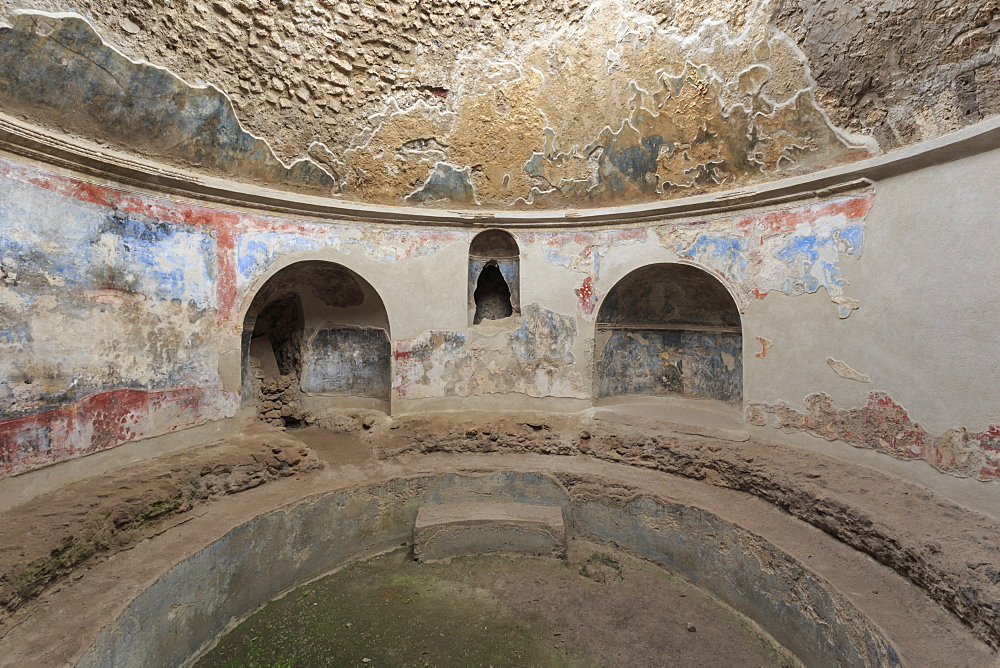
796, 250
116, 310
669, 329
705, 365
885, 426
668, 113
350, 361
107, 322
535, 359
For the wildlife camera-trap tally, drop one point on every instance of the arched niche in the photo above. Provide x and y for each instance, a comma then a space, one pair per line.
316, 336
494, 276
669, 329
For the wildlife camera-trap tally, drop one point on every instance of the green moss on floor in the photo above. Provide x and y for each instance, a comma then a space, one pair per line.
389, 611
592, 606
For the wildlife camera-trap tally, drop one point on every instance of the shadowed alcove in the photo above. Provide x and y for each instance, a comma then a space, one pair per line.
669, 329
494, 276
316, 333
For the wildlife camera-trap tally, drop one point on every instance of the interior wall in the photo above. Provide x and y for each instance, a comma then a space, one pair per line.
122, 311
912, 371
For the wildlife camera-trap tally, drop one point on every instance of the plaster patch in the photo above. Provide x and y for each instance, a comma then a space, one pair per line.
844, 370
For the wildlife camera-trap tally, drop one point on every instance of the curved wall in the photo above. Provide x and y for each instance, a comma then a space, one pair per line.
190, 605
122, 310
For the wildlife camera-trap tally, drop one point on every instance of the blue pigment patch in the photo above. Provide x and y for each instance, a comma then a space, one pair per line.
157, 259
256, 252
446, 182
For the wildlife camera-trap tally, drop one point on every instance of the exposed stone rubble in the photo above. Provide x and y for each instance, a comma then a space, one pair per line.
964, 578
114, 511
278, 401
900, 71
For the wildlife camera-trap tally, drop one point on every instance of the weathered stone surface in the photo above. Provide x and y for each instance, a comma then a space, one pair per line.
59, 73
113, 512
900, 71
606, 101
455, 530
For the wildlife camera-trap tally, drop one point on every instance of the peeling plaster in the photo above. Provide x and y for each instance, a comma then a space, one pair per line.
885, 426
610, 108
668, 115
796, 251
262, 240
111, 331
844, 370
582, 252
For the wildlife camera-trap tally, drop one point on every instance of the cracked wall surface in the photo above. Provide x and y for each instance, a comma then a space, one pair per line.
512, 103
885, 426
900, 71
498, 104
121, 315
59, 72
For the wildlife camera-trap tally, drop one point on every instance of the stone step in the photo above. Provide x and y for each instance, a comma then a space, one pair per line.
698, 417
443, 531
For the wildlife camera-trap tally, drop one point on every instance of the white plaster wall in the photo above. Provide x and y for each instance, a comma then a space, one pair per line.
928, 328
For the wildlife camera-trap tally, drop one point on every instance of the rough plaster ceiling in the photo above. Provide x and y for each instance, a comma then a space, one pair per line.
521, 103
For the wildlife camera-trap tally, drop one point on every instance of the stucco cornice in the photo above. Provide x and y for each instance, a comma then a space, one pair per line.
111, 167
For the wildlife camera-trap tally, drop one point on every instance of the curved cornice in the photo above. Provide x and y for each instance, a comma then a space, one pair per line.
22, 139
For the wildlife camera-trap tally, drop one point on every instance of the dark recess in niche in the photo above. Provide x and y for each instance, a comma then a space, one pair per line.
492, 295
282, 322
494, 276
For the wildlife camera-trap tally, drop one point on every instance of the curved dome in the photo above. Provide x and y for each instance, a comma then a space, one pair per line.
502, 105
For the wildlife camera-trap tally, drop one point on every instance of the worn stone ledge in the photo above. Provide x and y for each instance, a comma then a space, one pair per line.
70, 529
32, 142
872, 512
443, 531
655, 504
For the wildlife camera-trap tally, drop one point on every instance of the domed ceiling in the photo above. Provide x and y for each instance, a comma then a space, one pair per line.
512, 104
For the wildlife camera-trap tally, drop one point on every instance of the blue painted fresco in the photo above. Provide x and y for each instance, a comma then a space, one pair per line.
71, 80
160, 260
664, 362
256, 252
85, 246
728, 251
446, 183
